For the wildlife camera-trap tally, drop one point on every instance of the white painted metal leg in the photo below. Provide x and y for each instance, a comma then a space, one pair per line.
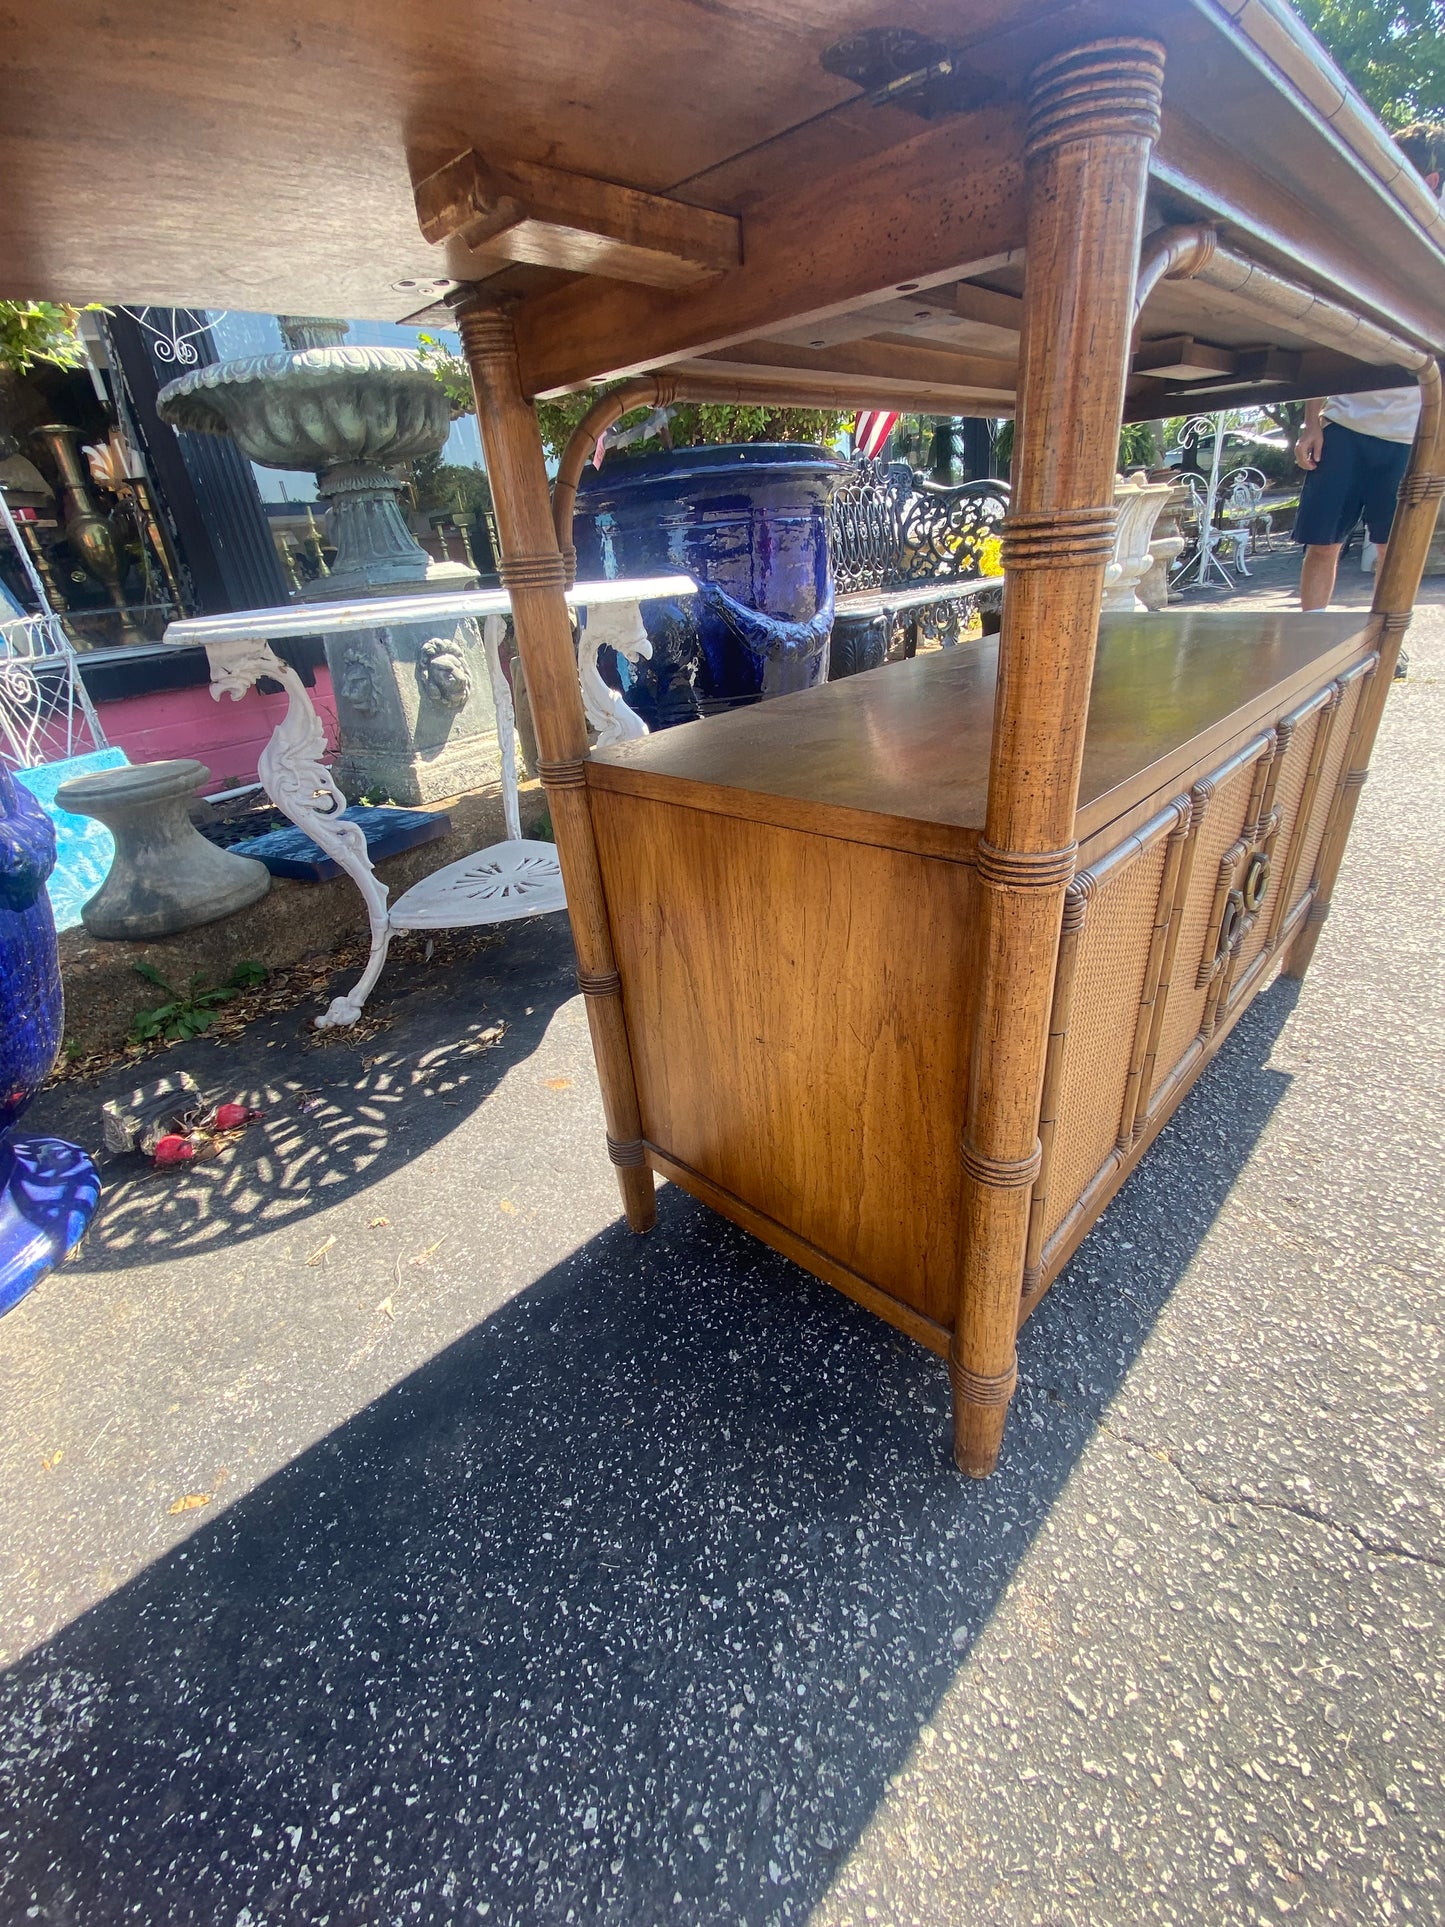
300, 785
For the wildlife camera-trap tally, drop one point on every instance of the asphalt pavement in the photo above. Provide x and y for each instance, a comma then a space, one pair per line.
388, 1536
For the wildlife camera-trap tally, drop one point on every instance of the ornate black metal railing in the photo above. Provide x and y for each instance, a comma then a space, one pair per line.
890, 535
887, 530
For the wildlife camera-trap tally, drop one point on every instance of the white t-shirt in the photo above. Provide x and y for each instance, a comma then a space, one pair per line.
1389, 413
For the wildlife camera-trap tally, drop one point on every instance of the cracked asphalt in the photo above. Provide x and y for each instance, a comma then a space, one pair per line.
386, 1536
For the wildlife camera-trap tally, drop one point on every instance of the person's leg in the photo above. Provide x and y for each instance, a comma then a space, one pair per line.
1384, 472
1317, 574
1387, 470
1329, 506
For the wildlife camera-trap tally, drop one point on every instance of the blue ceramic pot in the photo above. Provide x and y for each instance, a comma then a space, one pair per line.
750, 522
48, 1189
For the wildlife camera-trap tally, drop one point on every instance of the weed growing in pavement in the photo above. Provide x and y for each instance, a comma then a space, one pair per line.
190, 1011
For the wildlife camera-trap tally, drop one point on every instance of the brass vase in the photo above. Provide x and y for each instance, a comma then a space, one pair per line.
91, 538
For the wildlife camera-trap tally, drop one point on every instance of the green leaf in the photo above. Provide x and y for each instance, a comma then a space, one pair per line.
151, 975
39, 331
1393, 51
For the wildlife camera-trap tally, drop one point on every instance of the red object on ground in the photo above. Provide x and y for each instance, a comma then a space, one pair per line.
228, 1116
174, 1149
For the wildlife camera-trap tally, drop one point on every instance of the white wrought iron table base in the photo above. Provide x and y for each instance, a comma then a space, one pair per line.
517, 878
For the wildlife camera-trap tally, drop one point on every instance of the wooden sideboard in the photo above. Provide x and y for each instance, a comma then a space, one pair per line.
822, 947
793, 900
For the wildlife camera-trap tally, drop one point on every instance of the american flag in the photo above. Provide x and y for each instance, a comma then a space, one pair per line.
871, 432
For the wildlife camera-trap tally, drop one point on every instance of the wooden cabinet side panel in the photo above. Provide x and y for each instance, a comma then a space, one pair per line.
798, 1010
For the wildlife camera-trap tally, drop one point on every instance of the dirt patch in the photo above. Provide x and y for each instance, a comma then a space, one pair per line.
302, 932
312, 981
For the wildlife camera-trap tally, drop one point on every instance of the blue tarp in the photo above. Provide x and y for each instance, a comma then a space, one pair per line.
85, 848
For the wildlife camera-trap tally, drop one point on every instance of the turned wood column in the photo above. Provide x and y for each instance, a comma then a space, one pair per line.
1396, 587
1093, 118
531, 569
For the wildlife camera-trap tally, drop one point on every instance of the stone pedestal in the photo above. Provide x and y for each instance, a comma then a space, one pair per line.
165, 876
415, 709
414, 704
417, 721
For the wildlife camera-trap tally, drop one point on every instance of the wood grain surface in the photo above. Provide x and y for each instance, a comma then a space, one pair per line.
792, 1002
256, 157
900, 754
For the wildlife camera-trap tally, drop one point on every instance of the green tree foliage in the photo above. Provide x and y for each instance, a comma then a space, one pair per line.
690, 424
1137, 446
465, 491
1393, 51
38, 331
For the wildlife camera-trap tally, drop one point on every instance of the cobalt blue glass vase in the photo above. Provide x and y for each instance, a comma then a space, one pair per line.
748, 521
48, 1189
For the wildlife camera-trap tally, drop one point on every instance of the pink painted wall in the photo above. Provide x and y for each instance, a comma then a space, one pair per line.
226, 736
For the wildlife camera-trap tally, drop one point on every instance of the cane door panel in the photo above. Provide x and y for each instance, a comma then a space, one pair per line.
1109, 951
1223, 808
1312, 834
1297, 739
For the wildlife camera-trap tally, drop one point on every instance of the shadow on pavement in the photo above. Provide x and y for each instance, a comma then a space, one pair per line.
341, 1112
622, 1609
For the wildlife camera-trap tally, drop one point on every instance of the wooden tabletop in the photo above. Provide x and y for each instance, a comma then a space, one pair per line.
900, 754
786, 218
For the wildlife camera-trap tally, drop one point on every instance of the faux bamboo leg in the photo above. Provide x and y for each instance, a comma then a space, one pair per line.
1396, 587
1093, 117
531, 569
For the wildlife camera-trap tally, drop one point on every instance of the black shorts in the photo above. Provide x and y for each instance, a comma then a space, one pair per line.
1357, 475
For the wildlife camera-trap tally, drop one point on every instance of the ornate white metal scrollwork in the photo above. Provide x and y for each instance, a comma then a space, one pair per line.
494, 628
619, 625
1237, 494
171, 344
300, 785
518, 878
497, 885
46, 716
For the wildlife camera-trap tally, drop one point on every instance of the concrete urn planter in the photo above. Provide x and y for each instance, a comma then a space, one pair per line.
413, 701
1165, 549
1139, 502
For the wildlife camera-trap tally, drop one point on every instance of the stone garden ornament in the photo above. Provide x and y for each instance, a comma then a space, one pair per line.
443, 671
415, 714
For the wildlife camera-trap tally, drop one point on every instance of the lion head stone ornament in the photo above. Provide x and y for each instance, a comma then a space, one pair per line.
358, 683
443, 673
